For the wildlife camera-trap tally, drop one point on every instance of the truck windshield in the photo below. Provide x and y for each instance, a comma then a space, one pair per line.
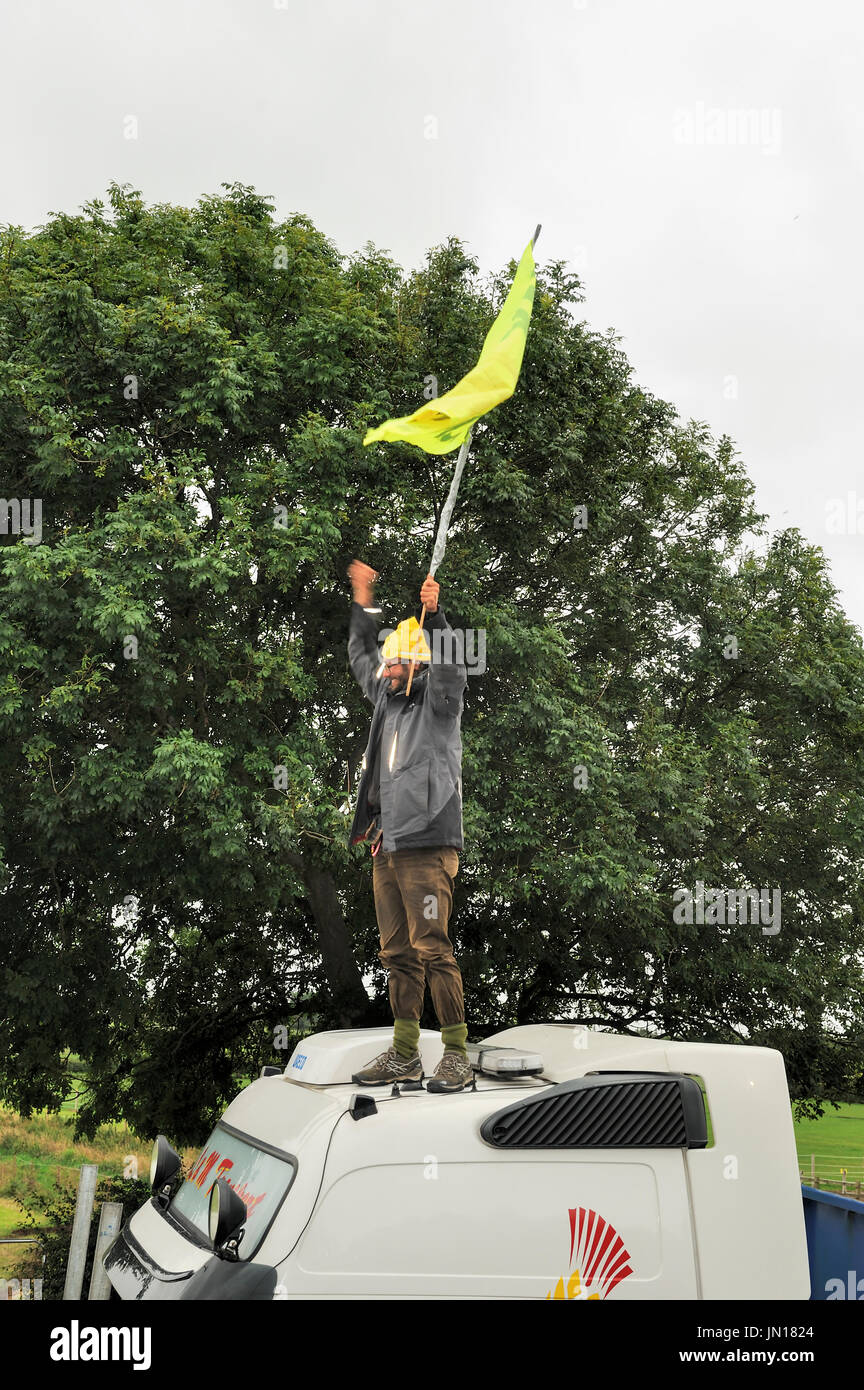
260, 1176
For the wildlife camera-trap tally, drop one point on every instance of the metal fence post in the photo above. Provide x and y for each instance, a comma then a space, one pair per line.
80, 1232
110, 1217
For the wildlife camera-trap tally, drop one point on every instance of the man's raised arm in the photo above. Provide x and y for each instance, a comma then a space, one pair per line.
447, 674
363, 653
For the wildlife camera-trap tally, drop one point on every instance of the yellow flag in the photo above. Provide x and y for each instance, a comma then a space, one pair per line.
443, 424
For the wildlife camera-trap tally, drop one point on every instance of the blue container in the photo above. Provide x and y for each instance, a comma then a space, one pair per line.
835, 1244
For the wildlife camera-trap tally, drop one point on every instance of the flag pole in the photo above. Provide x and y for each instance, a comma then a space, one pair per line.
441, 539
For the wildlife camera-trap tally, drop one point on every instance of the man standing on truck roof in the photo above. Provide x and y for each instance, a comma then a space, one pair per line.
409, 801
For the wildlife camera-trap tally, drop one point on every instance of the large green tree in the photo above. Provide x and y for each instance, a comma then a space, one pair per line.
670, 694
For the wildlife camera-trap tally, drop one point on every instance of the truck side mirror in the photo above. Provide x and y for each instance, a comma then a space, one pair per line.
226, 1217
165, 1166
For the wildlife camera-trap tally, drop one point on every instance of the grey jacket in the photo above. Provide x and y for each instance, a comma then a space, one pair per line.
421, 794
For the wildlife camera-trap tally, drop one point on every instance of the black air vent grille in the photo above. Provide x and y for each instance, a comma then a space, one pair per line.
613, 1111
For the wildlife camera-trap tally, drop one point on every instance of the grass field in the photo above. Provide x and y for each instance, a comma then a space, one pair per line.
837, 1140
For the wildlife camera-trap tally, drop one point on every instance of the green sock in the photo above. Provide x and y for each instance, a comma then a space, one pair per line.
455, 1037
406, 1036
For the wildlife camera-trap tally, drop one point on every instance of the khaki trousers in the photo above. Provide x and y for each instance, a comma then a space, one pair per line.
413, 891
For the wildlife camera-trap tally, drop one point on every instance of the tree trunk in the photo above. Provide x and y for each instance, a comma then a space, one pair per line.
340, 967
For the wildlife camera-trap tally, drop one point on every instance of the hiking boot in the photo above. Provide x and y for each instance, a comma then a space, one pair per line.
390, 1066
453, 1073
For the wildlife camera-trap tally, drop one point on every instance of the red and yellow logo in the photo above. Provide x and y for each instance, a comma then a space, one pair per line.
602, 1259
203, 1170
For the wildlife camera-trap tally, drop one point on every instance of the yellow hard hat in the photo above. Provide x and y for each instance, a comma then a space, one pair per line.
407, 643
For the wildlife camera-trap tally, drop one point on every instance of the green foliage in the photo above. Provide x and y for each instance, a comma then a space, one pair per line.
49, 1219
170, 378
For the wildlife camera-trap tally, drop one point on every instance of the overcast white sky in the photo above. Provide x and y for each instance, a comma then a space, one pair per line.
699, 162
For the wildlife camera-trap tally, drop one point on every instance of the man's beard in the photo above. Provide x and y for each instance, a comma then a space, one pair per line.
402, 680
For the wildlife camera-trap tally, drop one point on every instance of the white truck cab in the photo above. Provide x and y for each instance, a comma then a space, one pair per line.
590, 1171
